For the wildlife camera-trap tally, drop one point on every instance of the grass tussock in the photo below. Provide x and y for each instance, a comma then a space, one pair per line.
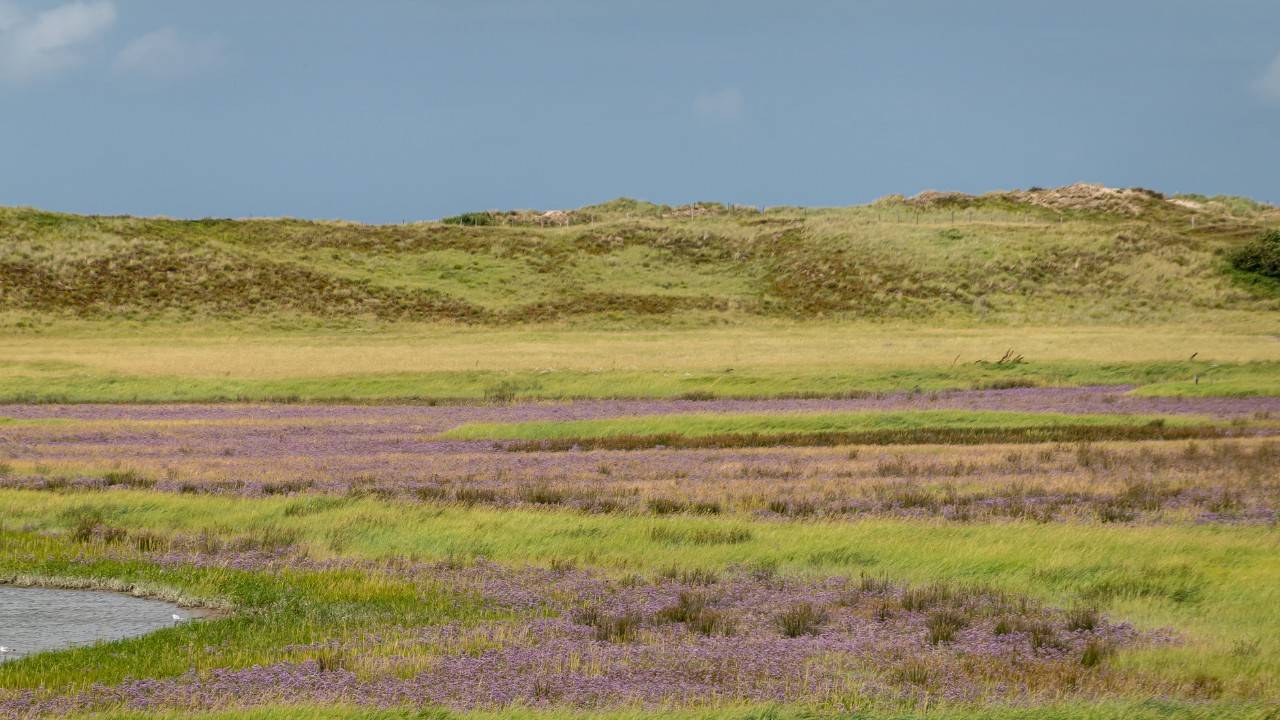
920, 436
719, 425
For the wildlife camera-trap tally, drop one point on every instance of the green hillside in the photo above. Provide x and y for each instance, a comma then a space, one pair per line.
1072, 286
1081, 254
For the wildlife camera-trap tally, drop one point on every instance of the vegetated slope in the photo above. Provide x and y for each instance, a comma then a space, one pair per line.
1081, 253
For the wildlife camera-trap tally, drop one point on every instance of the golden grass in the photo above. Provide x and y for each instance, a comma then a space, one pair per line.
212, 352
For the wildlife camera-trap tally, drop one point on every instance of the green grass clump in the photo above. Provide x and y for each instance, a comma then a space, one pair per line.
696, 425
270, 611
957, 427
474, 219
1261, 257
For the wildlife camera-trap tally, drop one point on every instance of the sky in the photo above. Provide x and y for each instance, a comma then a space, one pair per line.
393, 110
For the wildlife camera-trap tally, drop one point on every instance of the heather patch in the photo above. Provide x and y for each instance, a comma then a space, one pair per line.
577, 638
369, 563
344, 454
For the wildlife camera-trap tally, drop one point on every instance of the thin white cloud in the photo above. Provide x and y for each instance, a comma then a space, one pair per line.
726, 104
50, 42
166, 54
1268, 84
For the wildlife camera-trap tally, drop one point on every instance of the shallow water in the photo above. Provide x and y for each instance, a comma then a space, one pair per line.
37, 619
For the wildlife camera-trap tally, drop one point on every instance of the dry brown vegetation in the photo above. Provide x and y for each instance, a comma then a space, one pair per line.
1223, 480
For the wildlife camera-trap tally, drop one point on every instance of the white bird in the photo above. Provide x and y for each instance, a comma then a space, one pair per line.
177, 618
4, 650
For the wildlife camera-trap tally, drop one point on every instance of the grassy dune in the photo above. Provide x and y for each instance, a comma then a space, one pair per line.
630, 299
995, 258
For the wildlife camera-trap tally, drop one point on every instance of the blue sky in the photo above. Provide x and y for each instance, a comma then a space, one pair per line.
390, 110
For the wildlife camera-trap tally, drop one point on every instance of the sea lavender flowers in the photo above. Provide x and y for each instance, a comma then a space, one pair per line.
581, 639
